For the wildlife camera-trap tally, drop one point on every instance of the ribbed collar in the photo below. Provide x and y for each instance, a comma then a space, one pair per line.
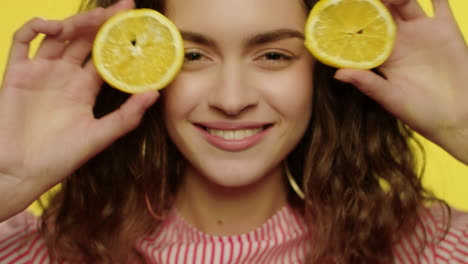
283, 237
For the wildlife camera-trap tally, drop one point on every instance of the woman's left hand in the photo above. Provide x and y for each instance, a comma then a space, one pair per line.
426, 77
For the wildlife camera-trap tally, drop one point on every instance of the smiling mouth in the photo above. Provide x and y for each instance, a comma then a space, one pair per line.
234, 134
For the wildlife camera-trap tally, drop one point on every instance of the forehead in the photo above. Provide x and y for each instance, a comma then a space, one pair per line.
216, 15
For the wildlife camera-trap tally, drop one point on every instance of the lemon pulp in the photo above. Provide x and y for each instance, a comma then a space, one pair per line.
350, 33
138, 50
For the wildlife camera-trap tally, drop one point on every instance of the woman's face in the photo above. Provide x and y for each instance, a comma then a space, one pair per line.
243, 98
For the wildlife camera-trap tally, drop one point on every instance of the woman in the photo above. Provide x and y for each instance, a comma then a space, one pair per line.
204, 177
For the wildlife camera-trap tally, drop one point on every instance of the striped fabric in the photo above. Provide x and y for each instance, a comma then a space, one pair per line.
452, 249
282, 239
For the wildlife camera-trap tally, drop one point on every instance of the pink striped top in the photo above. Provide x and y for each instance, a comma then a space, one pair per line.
284, 238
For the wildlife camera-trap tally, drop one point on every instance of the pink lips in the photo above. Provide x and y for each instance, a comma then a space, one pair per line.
233, 144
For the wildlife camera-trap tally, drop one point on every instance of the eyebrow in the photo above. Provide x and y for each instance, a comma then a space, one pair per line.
255, 40
273, 36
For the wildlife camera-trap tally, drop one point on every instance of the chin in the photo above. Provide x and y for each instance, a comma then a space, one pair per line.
233, 180
235, 176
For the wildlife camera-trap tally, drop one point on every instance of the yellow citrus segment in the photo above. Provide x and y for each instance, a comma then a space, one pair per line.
350, 33
138, 50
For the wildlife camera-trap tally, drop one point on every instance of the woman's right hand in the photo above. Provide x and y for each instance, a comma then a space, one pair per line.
47, 126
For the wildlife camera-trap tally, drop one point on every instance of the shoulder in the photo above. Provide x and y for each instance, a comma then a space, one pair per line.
20, 242
453, 246
442, 237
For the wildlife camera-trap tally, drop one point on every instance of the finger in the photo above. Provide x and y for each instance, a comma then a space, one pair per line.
393, 11
374, 86
407, 9
22, 38
82, 30
120, 6
441, 7
90, 21
79, 48
94, 75
125, 119
51, 48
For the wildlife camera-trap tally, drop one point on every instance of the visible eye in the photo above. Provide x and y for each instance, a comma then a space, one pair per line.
275, 56
195, 60
193, 56
274, 60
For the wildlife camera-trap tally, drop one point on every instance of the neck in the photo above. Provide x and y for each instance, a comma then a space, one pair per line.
220, 210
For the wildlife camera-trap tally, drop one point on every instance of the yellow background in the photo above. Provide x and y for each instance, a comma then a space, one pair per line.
444, 175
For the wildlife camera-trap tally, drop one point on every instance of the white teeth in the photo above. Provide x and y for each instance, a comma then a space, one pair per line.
234, 134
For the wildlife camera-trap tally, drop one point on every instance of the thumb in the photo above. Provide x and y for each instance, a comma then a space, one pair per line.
374, 86
123, 120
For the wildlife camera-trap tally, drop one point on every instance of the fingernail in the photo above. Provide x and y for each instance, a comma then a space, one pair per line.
339, 76
121, 2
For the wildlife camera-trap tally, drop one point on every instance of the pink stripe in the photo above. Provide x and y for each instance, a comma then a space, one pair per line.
12, 250
12, 239
294, 255
213, 250
18, 258
412, 248
447, 243
288, 248
438, 257
464, 243
461, 261
153, 242
283, 238
187, 248
160, 239
231, 253
258, 252
262, 232
461, 251
404, 248
44, 258
262, 253
281, 221
260, 256
257, 249
178, 253
157, 235
302, 230
296, 250
195, 251
204, 250
27, 251
425, 255
396, 253
169, 251
288, 239
222, 250
39, 250
443, 247
274, 249
249, 247
191, 234
302, 226
431, 225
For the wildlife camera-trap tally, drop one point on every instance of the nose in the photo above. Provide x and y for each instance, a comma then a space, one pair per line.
233, 93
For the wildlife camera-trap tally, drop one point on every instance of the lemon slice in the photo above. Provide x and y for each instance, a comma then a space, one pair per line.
350, 33
138, 50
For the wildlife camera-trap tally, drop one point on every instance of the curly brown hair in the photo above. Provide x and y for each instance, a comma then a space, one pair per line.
355, 163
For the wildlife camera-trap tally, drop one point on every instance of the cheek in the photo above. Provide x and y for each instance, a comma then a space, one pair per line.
182, 96
290, 93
